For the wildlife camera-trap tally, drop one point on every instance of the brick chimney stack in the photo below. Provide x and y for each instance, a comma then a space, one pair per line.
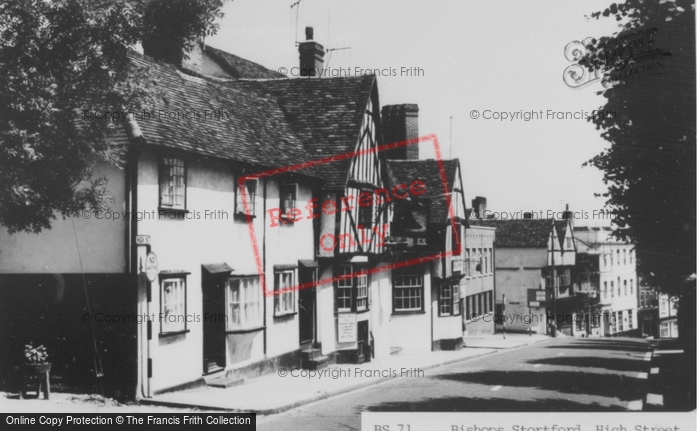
310, 55
479, 206
400, 123
568, 215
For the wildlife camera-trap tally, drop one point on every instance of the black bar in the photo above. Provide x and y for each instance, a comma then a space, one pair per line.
150, 367
130, 421
149, 328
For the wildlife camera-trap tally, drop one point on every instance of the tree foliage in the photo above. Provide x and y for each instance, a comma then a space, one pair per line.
59, 59
650, 165
172, 26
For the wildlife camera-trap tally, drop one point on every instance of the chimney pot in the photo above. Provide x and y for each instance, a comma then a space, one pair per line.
309, 33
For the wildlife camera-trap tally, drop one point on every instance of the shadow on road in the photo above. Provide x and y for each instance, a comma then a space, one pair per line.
627, 346
615, 364
469, 404
580, 383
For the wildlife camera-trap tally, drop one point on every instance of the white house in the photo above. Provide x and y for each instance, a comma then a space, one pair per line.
615, 263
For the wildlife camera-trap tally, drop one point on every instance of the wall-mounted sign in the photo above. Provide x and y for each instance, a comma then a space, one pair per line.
538, 298
143, 239
151, 266
347, 328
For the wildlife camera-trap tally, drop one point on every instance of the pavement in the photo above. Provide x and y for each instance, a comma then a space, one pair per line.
64, 402
289, 389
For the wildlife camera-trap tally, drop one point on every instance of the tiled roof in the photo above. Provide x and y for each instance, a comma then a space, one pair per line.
519, 232
427, 171
325, 113
255, 129
238, 67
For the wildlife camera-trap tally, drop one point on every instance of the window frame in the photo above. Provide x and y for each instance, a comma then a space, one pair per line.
445, 299
456, 300
239, 208
365, 215
468, 264
565, 278
341, 285
290, 293
449, 302
401, 273
243, 302
284, 209
165, 327
358, 296
165, 173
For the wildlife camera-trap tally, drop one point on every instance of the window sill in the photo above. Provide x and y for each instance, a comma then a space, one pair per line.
245, 330
403, 313
173, 334
173, 210
287, 221
357, 312
290, 313
242, 216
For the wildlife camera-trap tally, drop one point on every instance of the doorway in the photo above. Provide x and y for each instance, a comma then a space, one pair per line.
214, 321
307, 305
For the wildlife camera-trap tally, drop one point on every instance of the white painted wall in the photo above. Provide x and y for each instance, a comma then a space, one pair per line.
325, 311
285, 245
188, 244
380, 309
411, 332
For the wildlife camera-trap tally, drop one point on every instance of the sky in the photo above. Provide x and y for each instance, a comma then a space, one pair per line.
473, 58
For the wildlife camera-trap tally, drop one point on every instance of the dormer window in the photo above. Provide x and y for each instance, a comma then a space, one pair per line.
173, 183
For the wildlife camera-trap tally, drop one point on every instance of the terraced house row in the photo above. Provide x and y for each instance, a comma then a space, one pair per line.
284, 233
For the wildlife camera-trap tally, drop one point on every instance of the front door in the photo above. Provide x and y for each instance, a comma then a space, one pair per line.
307, 306
214, 323
363, 341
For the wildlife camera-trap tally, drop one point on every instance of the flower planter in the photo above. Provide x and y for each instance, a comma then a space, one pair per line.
37, 376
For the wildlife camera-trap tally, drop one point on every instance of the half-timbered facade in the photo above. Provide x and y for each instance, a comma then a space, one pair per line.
352, 209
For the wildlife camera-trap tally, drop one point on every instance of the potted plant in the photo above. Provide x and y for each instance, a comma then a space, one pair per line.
35, 369
36, 360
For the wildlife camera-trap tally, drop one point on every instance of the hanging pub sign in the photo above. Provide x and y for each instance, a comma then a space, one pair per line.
347, 328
